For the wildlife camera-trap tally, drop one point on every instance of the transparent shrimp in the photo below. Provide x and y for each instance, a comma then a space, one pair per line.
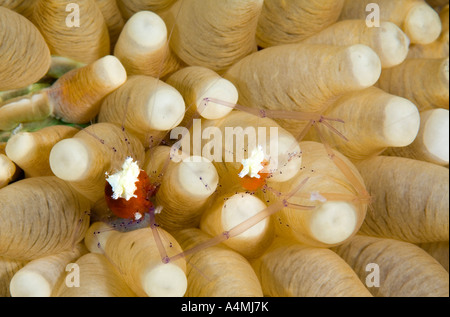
142, 210
282, 200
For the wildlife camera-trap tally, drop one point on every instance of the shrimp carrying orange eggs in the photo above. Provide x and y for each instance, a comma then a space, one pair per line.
128, 192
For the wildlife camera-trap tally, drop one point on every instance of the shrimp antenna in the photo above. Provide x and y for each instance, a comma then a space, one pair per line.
157, 237
343, 167
243, 226
313, 118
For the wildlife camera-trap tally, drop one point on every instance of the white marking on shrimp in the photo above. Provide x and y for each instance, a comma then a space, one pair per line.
123, 182
317, 196
253, 165
158, 210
